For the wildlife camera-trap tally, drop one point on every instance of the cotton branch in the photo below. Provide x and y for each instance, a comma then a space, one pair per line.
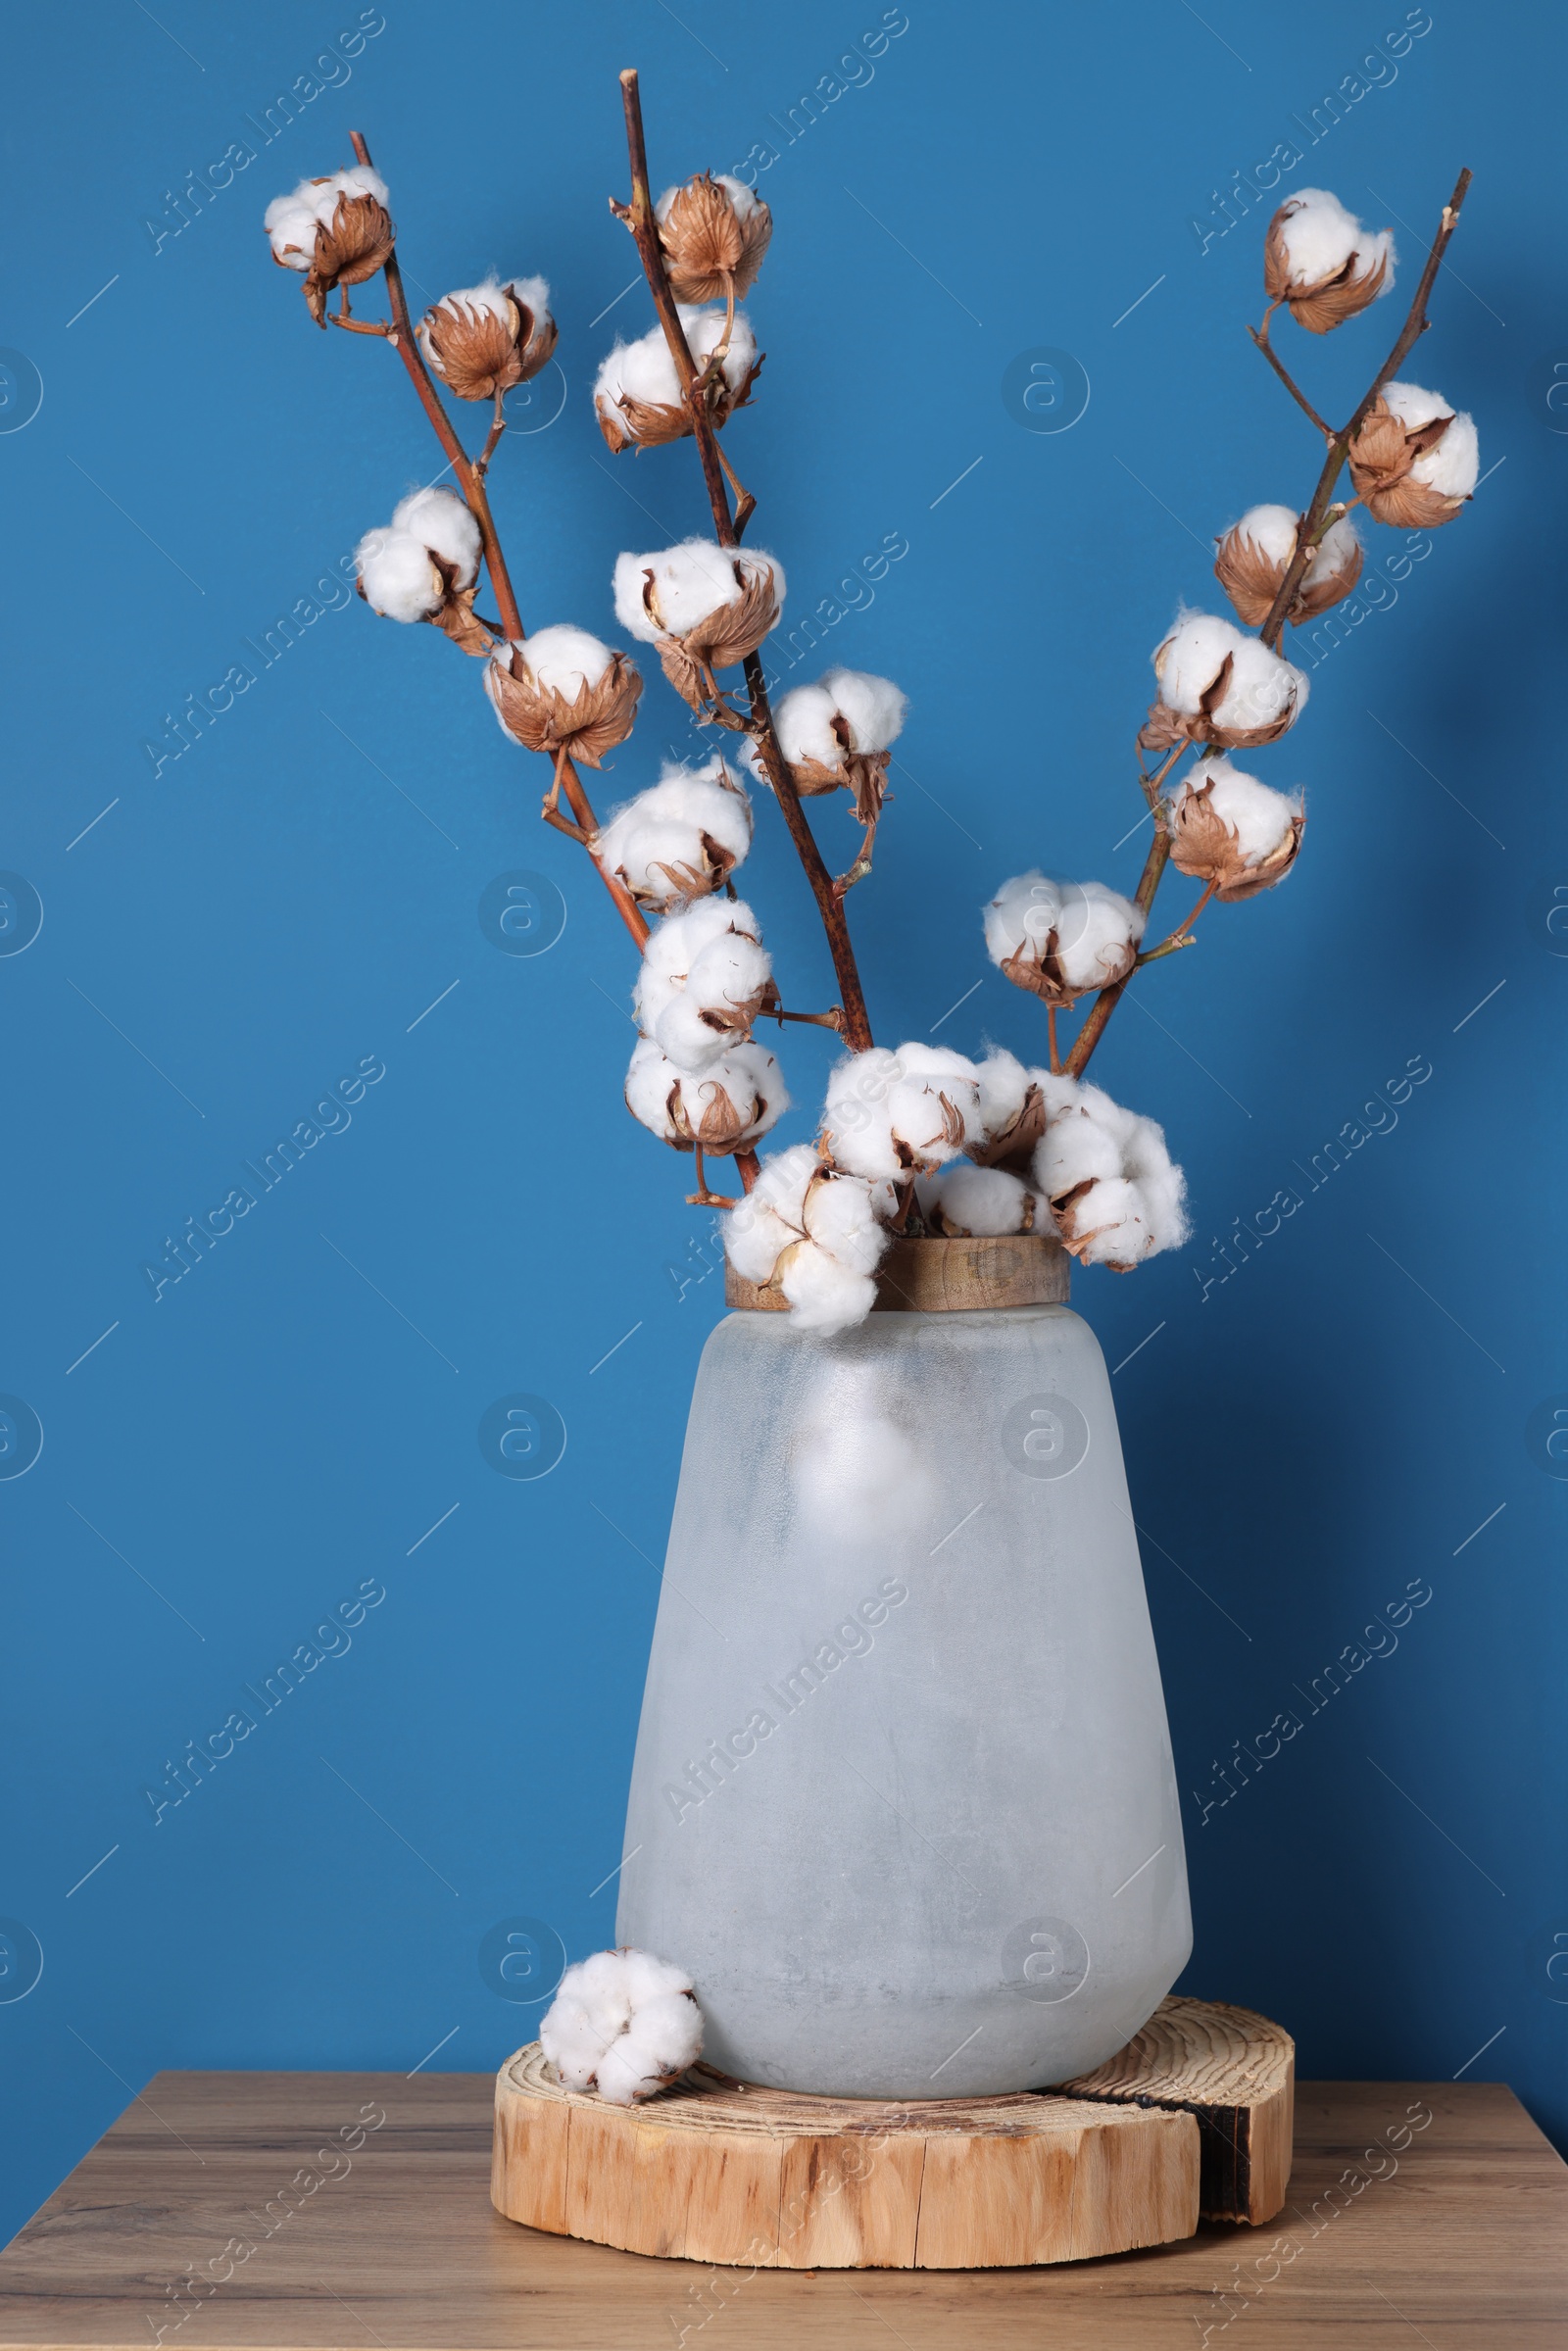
1415, 325
469, 472
638, 217
1313, 524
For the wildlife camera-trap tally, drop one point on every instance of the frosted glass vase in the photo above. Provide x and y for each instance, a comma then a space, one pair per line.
903, 1801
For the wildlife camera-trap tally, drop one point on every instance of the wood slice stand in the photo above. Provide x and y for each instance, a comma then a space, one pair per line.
1191, 2119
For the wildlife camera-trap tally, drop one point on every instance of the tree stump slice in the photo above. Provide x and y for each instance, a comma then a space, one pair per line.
946, 1277
720, 2172
1232, 2069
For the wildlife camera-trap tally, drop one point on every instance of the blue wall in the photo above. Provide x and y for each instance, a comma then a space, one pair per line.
227, 933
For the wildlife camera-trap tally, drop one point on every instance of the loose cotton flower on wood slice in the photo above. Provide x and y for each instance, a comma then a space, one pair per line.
1218, 685
1319, 259
484, 339
1231, 831
623, 2024
638, 395
560, 690
892, 1114
680, 839
1255, 555
725, 1108
335, 230
715, 232
1413, 459
1058, 938
704, 606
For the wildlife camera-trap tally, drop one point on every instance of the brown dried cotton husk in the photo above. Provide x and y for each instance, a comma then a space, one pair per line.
1064, 1212
541, 718
358, 243
477, 353
1329, 301
1206, 849
1382, 454
1012, 1147
709, 251
724, 1124
1036, 967
863, 775
1253, 578
721, 638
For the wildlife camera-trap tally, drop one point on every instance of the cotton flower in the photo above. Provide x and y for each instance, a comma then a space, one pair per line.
815, 1235
715, 232
1057, 939
1230, 830
1413, 459
1218, 685
890, 1114
680, 839
483, 339
1319, 259
335, 230
962, 1203
638, 394
622, 2023
723, 1108
1012, 1115
562, 690
839, 732
1114, 1193
705, 979
704, 606
425, 566
1255, 555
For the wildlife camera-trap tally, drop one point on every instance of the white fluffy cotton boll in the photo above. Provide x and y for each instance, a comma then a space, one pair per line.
1095, 929
291, 221
824, 1294
291, 224
1022, 915
724, 988
1081, 1144
1452, 468
1261, 685
443, 522
933, 1077
1160, 1182
1110, 1222
397, 575
873, 707
984, 1201
771, 1216
1319, 237
1259, 816
840, 1216
645, 370
1003, 1084
624, 2023
563, 659
744, 199
688, 581
664, 828
888, 1112
737, 1096
1272, 530
674, 947
804, 719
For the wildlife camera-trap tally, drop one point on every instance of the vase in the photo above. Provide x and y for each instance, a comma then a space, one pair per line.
903, 1801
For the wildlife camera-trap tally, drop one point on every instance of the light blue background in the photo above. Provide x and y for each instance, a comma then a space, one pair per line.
1303, 1441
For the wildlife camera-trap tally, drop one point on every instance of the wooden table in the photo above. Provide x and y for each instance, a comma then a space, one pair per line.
338, 2212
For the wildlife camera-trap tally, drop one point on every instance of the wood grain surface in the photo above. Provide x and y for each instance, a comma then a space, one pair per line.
947, 1277
1417, 2211
721, 2170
